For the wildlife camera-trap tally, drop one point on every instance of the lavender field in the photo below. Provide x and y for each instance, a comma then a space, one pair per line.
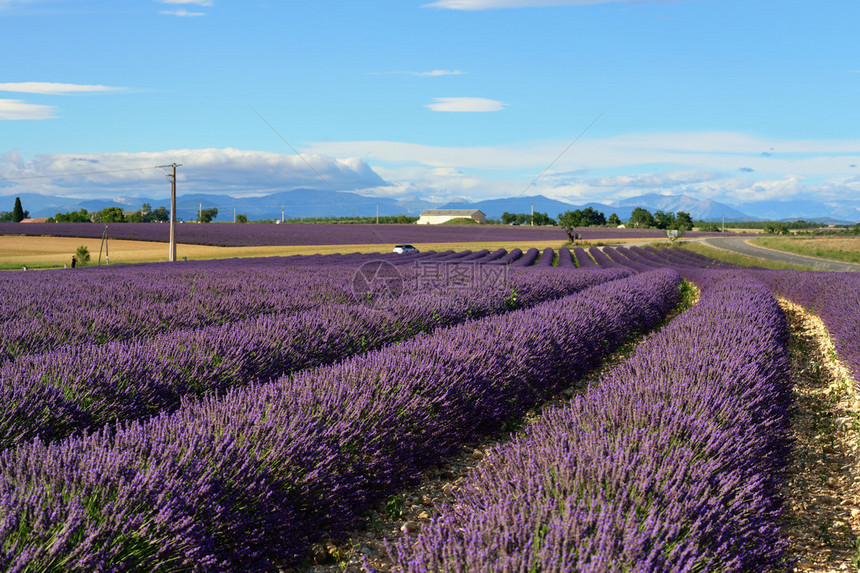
266, 234
227, 415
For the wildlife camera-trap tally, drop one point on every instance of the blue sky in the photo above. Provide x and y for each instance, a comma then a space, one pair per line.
580, 100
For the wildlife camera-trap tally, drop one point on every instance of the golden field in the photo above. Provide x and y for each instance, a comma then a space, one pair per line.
838, 248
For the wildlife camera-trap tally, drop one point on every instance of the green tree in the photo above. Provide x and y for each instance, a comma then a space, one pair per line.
81, 216
776, 228
710, 227
568, 221
18, 212
136, 217
6, 216
683, 220
592, 217
613, 220
109, 215
145, 209
206, 215
508, 218
82, 255
240, 218
161, 214
664, 220
641, 218
542, 219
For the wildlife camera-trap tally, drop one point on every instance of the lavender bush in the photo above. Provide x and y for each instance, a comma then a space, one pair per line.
672, 462
51, 395
565, 259
246, 480
835, 297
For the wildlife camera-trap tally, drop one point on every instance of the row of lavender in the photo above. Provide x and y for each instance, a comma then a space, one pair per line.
52, 394
98, 305
52, 309
835, 297
672, 462
248, 480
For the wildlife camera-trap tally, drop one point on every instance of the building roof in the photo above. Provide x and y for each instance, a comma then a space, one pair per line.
454, 212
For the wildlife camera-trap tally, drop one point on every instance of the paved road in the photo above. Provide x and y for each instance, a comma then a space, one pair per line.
739, 245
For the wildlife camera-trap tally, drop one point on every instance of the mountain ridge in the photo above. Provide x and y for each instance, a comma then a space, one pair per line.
300, 203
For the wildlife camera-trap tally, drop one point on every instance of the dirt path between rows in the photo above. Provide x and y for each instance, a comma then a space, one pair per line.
823, 482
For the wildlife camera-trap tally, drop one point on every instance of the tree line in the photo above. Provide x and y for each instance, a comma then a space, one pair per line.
589, 217
146, 214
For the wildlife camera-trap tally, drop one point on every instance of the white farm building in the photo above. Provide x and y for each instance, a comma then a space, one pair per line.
437, 216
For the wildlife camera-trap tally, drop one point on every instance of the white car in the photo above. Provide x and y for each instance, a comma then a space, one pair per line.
405, 249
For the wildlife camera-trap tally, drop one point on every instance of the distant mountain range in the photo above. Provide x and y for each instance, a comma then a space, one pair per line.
326, 203
699, 209
704, 210
292, 204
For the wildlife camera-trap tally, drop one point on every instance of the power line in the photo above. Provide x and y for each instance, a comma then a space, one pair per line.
324, 180
569, 145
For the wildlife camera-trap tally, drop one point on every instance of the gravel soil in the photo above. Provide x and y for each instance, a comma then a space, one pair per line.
823, 482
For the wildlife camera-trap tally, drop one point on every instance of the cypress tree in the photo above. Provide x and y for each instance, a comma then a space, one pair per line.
17, 211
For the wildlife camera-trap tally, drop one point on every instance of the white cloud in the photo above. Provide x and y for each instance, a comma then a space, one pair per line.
432, 73
12, 109
606, 170
442, 73
49, 88
704, 151
473, 104
185, 13
667, 179
7, 3
181, 13
703, 165
223, 171
496, 4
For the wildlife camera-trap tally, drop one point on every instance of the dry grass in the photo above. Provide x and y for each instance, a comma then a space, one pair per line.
735, 258
846, 249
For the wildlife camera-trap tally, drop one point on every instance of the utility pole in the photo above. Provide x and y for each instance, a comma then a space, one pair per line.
377, 212
234, 214
200, 213
104, 245
282, 213
172, 252
533, 214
